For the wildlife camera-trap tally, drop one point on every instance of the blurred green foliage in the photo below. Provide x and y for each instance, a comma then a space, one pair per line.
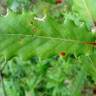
47, 49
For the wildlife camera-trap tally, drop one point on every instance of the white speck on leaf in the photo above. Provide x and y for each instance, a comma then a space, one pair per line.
42, 19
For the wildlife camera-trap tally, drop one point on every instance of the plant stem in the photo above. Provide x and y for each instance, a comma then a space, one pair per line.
4, 64
3, 85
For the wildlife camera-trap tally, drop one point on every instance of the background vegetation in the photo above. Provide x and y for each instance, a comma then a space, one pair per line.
47, 47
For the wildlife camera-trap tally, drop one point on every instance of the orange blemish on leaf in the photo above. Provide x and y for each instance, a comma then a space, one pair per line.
62, 54
59, 1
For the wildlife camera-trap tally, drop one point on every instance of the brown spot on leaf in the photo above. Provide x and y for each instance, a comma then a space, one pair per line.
62, 53
59, 1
